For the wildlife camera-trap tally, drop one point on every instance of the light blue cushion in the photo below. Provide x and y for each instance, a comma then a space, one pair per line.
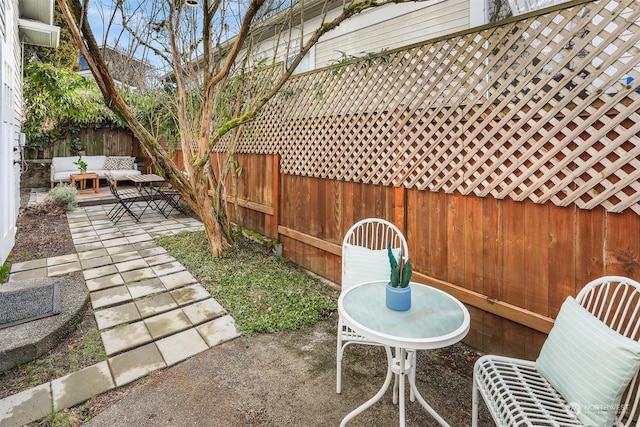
588, 363
361, 264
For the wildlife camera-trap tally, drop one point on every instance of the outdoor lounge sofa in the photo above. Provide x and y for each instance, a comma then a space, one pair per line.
119, 167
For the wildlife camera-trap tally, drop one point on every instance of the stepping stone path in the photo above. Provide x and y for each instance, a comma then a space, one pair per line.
150, 310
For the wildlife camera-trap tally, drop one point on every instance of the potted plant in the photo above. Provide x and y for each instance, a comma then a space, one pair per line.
398, 295
82, 165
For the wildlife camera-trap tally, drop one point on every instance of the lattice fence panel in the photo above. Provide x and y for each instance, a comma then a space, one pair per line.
543, 108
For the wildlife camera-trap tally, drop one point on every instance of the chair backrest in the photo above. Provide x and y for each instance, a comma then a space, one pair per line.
364, 251
615, 301
112, 187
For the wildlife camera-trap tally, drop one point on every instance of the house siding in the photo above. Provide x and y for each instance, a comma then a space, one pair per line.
11, 82
369, 34
386, 27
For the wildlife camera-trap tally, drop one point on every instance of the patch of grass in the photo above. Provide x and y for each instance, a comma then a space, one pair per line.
263, 292
63, 418
5, 269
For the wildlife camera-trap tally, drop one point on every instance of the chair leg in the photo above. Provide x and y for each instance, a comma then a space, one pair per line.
474, 404
339, 352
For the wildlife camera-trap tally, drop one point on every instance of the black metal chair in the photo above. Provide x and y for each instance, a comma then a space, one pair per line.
170, 200
124, 201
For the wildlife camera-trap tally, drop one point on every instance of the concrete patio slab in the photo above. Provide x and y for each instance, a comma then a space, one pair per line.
138, 275
96, 253
134, 264
23, 408
96, 262
28, 274
111, 296
176, 280
156, 304
203, 311
109, 317
28, 265
159, 259
189, 294
88, 246
167, 323
105, 282
125, 337
80, 386
181, 346
168, 268
62, 259
145, 288
137, 363
219, 330
59, 270
125, 256
99, 272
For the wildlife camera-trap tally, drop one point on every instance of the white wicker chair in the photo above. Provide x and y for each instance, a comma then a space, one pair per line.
516, 394
372, 234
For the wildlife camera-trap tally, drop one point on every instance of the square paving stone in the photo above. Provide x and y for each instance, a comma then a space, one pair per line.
88, 264
155, 304
137, 275
219, 330
115, 242
79, 386
134, 264
111, 296
93, 273
120, 249
62, 259
144, 245
125, 337
181, 346
159, 259
152, 251
125, 256
138, 238
177, 280
104, 282
59, 270
25, 407
28, 274
28, 265
85, 240
88, 246
203, 311
167, 323
82, 234
168, 268
96, 253
145, 287
109, 317
189, 294
136, 363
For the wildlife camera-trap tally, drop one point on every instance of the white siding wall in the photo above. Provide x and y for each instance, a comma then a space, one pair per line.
387, 27
11, 82
393, 26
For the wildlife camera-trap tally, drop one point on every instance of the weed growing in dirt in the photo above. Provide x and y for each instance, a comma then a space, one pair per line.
5, 269
263, 292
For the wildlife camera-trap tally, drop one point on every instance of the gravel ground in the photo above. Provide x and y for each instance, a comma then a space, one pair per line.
288, 379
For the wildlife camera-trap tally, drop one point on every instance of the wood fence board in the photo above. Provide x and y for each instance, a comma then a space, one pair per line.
623, 244
561, 263
473, 231
492, 255
514, 253
590, 246
536, 266
456, 241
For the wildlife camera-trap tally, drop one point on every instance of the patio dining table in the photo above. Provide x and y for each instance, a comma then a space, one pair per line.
435, 320
145, 184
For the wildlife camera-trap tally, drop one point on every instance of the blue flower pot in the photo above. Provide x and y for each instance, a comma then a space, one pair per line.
398, 299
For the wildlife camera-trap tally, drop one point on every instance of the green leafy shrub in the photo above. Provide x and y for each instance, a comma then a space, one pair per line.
63, 198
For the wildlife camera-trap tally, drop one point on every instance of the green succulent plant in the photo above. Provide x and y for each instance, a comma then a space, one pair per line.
400, 271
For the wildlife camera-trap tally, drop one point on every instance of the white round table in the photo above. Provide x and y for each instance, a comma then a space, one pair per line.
435, 320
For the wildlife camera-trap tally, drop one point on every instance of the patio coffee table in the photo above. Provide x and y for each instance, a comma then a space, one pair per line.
83, 178
435, 320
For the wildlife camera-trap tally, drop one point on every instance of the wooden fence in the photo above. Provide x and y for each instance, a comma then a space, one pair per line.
94, 140
509, 155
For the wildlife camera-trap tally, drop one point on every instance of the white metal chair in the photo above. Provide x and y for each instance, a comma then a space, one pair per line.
517, 394
364, 259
